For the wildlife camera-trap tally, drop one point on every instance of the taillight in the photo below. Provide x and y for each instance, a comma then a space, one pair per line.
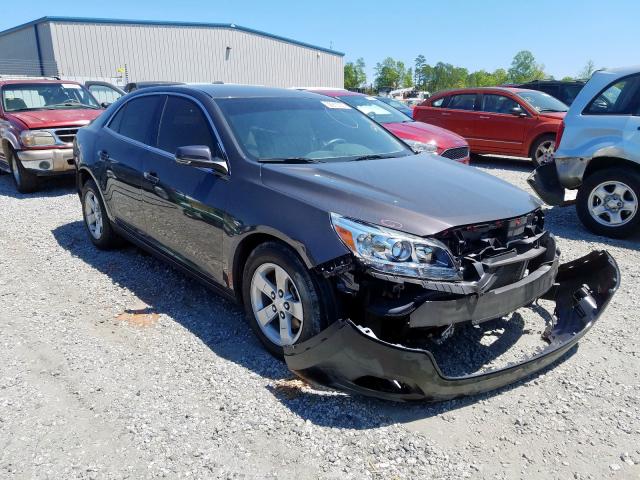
559, 135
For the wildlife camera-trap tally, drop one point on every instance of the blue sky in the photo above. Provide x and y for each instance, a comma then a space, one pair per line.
562, 34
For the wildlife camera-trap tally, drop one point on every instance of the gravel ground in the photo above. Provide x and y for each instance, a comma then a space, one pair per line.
113, 365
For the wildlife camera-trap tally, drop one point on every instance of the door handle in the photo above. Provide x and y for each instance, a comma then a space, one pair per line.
104, 156
482, 117
445, 114
151, 177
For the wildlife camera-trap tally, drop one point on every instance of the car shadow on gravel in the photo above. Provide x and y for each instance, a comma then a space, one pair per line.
220, 325
512, 164
50, 187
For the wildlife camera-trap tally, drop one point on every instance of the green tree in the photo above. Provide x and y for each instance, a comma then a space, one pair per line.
387, 74
350, 76
587, 71
567, 79
361, 76
407, 81
524, 68
354, 74
418, 77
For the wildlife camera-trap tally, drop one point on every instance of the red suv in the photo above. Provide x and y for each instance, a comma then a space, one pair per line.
419, 136
38, 122
500, 120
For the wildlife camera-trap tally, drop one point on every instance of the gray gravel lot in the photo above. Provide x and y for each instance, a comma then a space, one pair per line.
187, 391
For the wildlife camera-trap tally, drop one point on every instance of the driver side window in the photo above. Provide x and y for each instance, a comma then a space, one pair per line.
184, 124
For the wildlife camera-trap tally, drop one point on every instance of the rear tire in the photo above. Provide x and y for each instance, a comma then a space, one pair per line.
290, 291
24, 180
542, 149
96, 220
605, 189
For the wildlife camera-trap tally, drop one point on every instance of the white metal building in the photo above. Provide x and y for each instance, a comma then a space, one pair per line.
122, 51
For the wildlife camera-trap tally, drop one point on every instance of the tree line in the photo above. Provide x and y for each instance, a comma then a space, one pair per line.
391, 73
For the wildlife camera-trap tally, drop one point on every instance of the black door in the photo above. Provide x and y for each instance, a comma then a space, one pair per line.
121, 147
184, 205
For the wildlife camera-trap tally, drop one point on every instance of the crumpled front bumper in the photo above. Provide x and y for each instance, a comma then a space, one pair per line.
347, 357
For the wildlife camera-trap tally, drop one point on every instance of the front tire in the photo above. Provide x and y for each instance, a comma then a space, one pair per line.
542, 150
607, 202
285, 303
96, 221
24, 180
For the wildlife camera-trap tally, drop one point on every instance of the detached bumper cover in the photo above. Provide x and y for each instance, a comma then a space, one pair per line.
545, 182
347, 357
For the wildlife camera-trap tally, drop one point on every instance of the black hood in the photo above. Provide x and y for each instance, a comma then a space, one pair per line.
418, 194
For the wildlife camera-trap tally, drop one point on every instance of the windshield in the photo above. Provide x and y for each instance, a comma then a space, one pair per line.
374, 108
543, 102
306, 129
46, 96
394, 103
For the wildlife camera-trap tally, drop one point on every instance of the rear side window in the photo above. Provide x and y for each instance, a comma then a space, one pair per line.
183, 123
137, 119
498, 104
619, 98
465, 101
438, 103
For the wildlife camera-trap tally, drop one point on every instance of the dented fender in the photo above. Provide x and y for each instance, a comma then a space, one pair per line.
348, 357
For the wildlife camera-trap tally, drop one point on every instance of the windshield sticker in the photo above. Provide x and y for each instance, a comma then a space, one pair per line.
72, 85
375, 109
341, 105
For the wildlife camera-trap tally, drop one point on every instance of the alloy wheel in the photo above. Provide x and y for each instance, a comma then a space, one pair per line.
544, 152
93, 215
613, 203
276, 304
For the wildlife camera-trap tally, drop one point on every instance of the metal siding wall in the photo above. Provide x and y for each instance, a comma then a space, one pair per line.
190, 54
19, 53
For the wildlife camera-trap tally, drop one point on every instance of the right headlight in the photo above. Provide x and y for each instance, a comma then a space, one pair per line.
37, 138
396, 253
420, 147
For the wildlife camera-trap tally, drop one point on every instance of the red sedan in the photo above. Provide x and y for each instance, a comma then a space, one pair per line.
420, 136
500, 120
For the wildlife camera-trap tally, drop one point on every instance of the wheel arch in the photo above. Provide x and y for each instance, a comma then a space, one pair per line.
535, 139
602, 163
83, 175
248, 244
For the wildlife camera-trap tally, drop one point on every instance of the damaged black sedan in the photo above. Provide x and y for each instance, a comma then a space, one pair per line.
349, 252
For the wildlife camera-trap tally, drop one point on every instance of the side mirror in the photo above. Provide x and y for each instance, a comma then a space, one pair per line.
518, 112
200, 156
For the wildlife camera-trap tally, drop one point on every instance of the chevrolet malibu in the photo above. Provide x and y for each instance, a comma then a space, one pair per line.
348, 250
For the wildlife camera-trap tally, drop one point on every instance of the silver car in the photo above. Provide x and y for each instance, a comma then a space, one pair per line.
598, 153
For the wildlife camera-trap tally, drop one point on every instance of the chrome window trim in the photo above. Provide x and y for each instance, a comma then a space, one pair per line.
137, 143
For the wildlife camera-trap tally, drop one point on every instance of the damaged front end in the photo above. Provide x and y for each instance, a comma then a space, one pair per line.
380, 350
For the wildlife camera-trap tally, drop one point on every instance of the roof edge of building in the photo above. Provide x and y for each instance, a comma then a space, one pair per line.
167, 23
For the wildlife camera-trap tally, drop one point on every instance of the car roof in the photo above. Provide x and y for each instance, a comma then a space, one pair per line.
621, 71
482, 89
33, 80
333, 92
229, 90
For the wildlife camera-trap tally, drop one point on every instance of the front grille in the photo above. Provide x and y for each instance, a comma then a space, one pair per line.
456, 153
66, 135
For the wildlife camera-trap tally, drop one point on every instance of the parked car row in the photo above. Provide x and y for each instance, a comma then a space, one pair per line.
598, 154
499, 120
349, 251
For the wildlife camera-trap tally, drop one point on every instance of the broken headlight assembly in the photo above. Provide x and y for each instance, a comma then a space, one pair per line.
396, 253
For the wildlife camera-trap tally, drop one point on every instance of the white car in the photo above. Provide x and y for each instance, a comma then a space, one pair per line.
598, 153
